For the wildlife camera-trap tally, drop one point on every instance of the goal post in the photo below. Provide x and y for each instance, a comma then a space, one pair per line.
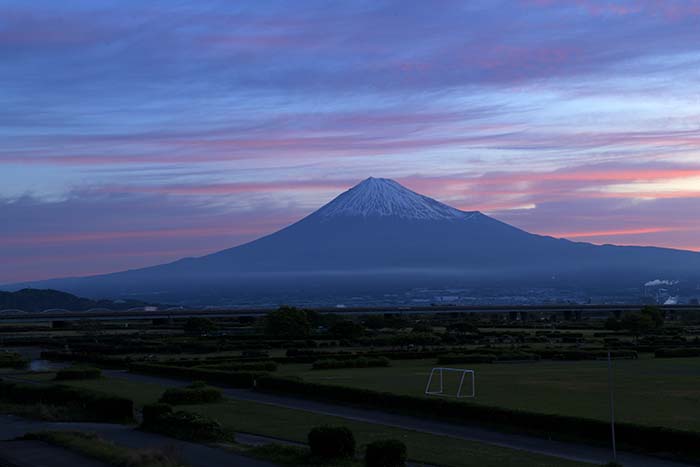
465, 389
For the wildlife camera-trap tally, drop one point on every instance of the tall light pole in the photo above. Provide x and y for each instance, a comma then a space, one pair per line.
612, 407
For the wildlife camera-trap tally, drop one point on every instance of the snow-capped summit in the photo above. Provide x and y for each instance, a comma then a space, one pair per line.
386, 198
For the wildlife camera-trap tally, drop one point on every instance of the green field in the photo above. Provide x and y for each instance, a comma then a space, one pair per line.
663, 392
290, 424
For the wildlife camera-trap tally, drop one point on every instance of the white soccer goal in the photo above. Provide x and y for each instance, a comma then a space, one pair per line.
447, 378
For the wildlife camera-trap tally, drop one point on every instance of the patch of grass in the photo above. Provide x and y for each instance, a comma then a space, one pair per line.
294, 425
563, 388
91, 445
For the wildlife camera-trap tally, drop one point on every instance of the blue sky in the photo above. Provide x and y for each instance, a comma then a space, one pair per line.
138, 132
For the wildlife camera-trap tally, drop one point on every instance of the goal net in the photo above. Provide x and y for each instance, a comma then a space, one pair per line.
451, 382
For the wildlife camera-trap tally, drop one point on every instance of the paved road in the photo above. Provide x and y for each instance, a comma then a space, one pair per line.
572, 451
196, 455
38, 454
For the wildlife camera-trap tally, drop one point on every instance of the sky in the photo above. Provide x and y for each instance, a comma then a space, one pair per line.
138, 132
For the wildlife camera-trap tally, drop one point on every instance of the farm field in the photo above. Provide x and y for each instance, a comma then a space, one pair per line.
663, 392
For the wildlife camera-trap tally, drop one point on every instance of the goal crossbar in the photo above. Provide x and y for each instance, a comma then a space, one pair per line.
440, 371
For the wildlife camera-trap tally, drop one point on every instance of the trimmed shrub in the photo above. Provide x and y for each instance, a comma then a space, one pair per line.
386, 453
331, 442
360, 362
196, 393
78, 372
161, 418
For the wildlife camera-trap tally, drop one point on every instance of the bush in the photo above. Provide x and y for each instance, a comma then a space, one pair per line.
196, 393
387, 453
575, 354
360, 362
182, 425
329, 442
78, 372
100, 407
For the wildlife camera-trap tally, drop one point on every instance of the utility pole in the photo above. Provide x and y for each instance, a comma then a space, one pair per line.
612, 406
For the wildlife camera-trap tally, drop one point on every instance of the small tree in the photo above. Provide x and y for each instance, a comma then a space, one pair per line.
637, 323
655, 314
288, 322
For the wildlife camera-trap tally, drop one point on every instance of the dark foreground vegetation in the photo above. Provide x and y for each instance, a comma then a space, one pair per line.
540, 374
92, 446
80, 404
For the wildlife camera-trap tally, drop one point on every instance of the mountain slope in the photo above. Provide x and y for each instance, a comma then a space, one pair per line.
39, 300
379, 231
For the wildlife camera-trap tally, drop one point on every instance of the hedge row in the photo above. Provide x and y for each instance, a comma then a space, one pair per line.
226, 378
106, 361
242, 366
78, 372
196, 393
678, 352
491, 355
101, 407
467, 358
360, 362
632, 436
487, 357
189, 426
583, 354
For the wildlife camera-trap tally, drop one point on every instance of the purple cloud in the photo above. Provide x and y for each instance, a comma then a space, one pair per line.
208, 123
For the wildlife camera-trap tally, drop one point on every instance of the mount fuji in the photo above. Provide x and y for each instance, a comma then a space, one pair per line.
380, 235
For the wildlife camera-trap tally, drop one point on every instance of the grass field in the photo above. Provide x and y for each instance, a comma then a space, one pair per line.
566, 388
293, 425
